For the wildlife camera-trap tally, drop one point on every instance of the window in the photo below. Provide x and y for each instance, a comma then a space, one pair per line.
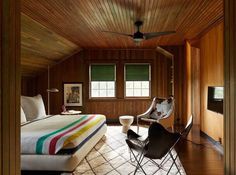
218, 93
102, 81
137, 80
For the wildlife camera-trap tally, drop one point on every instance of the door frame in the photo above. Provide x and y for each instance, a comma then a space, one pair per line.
10, 87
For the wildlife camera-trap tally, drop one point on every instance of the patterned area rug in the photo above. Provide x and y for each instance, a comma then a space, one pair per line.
111, 157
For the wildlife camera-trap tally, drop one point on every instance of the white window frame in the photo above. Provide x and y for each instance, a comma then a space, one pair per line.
90, 82
127, 97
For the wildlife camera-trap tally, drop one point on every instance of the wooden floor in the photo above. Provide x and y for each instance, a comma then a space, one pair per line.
202, 159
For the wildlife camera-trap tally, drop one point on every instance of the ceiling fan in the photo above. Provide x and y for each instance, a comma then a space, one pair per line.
139, 36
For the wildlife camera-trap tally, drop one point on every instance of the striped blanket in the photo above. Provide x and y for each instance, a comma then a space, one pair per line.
50, 135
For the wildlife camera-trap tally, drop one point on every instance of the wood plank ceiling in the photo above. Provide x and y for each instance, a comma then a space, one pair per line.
41, 47
54, 29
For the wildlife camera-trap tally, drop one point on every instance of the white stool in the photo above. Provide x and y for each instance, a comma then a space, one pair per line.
126, 121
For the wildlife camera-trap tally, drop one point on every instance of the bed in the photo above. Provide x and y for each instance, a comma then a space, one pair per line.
59, 142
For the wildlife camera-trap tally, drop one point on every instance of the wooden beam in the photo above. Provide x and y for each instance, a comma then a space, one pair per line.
10, 87
230, 88
164, 52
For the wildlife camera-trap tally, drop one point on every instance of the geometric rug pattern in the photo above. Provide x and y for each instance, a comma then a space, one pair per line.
111, 156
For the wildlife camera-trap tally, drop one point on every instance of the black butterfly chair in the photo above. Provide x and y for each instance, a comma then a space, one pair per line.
158, 145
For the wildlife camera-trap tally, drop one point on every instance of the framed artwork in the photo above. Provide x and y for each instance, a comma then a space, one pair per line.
73, 94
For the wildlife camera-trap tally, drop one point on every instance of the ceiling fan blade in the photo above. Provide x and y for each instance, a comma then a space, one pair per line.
156, 34
117, 33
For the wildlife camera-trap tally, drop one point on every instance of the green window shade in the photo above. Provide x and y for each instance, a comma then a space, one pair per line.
137, 72
102, 72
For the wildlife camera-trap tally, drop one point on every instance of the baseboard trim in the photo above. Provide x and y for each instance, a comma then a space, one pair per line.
216, 144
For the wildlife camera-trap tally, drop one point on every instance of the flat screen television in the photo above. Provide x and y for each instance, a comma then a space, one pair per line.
215, 99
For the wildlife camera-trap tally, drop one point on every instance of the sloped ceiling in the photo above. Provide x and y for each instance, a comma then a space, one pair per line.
54, 29
41, 47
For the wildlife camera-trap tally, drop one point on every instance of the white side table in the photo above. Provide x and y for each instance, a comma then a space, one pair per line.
126, 121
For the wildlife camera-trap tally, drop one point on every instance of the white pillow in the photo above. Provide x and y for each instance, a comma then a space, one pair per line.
22, 116
166, 106
33, 107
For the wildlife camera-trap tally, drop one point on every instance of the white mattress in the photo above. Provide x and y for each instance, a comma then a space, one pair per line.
60, 162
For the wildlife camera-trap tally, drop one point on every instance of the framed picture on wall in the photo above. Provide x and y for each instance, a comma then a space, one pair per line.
73, 94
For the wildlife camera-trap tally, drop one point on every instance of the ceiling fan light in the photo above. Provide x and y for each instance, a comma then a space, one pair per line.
138, 40
137, 43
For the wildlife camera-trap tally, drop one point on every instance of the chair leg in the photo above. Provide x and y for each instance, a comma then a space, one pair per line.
170, 168
159, 166
130, 156
164, 160
139, 161
174, 159
139, 165
137, 126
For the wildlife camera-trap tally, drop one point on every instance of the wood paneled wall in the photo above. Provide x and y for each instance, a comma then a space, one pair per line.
75, 69
10, 87
230, 87
29, 86
212, 74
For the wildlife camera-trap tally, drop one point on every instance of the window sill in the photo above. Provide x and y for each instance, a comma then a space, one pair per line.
102, 98
135, 98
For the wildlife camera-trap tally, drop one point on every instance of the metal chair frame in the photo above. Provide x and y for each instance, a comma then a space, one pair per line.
169, 155
146, 115
139, 158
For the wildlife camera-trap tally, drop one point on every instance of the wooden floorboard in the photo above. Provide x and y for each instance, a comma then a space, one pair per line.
202, 158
